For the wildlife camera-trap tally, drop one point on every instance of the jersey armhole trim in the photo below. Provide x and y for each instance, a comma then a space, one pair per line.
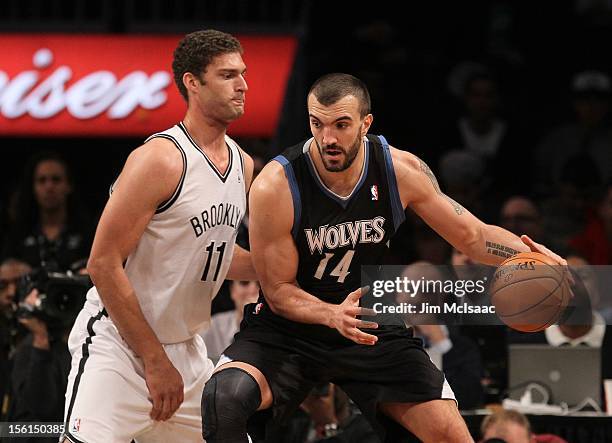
241, 159
396, 203
295, 193
175, 195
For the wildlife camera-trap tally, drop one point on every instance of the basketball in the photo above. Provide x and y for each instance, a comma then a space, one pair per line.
529, 291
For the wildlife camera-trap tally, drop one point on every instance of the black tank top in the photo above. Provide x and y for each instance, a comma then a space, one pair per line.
335, 236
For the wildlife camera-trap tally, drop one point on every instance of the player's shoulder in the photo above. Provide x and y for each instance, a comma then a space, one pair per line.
405, 163
159, 154
271, 182
272, 175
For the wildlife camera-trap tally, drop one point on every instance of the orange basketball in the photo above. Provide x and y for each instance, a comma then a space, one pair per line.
529, 291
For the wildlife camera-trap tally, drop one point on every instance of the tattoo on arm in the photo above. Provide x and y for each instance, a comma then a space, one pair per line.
500, 250
428, 172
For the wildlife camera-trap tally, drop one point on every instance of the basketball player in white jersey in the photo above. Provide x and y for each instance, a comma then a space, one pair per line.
163, 247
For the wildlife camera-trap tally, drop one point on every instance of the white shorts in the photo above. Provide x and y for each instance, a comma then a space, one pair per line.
107, 400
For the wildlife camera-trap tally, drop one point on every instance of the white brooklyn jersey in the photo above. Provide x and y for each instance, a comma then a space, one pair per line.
185, 251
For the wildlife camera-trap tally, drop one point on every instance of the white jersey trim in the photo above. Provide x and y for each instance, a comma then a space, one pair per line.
166, 204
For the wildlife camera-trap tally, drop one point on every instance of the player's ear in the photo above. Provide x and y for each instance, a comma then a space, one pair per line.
191, 82
367, 122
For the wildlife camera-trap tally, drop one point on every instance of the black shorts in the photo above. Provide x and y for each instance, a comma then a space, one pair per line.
396, 369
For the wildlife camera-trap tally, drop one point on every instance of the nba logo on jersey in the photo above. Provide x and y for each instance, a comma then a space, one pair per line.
76, 425
374, 192
257, 308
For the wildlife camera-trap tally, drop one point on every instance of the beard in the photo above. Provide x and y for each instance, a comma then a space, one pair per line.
345, 158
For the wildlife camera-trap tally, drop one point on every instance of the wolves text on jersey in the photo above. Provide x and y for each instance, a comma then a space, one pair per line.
219, 214
343, 234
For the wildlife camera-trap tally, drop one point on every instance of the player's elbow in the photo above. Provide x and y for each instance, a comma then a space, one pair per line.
274, 298
98, 266
274, 304
93, 267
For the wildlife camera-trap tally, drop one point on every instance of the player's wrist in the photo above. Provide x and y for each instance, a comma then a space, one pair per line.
154, 357
331, 316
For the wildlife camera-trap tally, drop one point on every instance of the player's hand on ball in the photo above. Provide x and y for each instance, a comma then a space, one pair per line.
537, 247
165, 386
345, 321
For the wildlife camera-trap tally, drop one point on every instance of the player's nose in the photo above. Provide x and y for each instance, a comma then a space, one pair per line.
328, 137
242, 85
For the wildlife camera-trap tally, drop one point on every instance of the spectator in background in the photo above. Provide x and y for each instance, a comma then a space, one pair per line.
580, 325
574, 161
579, 154
489, 338
509, 426
463, 178
50, 230
482, 130
452, 352
520, 215
331, 418
224, 325
594, 242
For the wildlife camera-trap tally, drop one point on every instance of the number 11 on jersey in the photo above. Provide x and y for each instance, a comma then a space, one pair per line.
210, 249
342, 268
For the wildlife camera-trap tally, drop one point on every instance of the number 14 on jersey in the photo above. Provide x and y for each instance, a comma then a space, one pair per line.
342, 268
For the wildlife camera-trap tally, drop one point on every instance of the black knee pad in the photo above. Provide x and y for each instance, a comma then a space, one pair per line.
230, 397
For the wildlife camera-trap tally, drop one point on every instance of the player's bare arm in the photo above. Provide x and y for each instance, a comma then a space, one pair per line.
149, 177
241, 267
276, 260
489, 244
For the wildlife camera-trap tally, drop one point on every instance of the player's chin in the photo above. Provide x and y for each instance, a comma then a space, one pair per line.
333, 164
334, 167
232, 116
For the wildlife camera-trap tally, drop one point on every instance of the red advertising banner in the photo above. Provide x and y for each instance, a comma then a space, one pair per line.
102, 85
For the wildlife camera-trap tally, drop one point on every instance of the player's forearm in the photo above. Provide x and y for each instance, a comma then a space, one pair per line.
494, 244
123, 307
241, 267
293, 303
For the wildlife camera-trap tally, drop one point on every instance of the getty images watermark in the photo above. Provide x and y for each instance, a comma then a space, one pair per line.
426, 294
414, 292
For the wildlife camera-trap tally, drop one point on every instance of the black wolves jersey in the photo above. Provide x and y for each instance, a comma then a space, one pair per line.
337, 235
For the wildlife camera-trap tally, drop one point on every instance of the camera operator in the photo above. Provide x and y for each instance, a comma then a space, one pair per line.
11, 271
40, 366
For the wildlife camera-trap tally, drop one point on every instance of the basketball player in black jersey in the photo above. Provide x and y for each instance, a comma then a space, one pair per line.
320, 211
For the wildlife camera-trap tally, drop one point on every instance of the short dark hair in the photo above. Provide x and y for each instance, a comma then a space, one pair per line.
196, 51
332, 87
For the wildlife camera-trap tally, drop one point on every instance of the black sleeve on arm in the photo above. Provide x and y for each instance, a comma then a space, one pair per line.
37, 389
